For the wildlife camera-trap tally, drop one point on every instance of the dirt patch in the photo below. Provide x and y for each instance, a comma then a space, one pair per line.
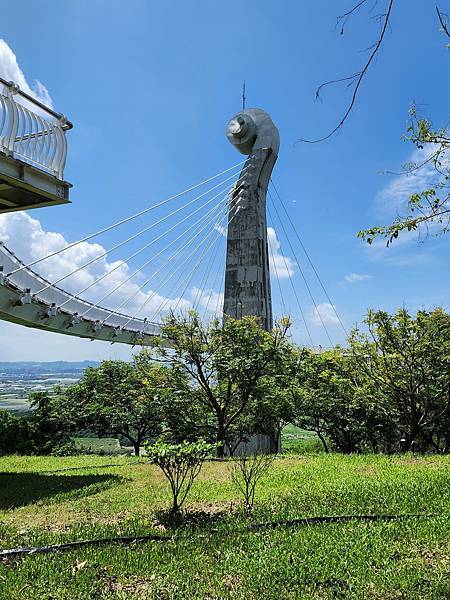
139, 587
434, 558
197, 515
367, 470
414, 461
213, 508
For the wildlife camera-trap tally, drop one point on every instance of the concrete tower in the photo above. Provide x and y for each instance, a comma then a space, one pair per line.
247, 278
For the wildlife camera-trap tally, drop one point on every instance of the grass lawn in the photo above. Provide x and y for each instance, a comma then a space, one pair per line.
94, 445
410, 559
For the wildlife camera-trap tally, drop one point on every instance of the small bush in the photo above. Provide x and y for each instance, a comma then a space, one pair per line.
246, 473
180, 463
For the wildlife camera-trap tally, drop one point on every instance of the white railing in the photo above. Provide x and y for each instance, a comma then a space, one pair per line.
32, 132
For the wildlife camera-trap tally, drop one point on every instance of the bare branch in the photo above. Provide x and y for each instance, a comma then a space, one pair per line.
441, 21
332, 81
346, 16
359, 79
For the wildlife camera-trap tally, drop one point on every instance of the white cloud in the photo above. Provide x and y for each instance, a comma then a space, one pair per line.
353, 277
280, 265
10, 70
325, 313
29, 241
221, 229
208, 300
393, 198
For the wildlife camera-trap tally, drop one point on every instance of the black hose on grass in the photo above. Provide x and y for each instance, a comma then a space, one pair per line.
334, 519
82, 544
165, 538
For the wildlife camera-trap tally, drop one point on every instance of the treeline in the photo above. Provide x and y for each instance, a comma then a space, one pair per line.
387, 390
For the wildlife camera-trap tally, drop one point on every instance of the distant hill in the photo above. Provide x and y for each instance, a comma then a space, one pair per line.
59, 366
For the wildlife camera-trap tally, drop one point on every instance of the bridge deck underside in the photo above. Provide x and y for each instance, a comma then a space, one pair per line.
23, 186
17, 305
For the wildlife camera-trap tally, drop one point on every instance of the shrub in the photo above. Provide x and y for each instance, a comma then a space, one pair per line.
246, 473
180, 463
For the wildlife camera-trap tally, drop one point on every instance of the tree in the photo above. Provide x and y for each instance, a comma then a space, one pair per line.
246, 473
272, 404
406, 358
356, 79
181, 464
182, 412
331, 399
427, 209
224, 363
14, 433
53, 420
120, 398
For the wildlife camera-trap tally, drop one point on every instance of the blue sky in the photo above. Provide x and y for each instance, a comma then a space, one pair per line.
150, 88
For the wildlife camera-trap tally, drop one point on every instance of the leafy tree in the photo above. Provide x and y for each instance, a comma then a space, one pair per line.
406, 359
334, 398
272, 403
330, 399
14, 433
181, 464
119, 398
427, 209
183, 414
53, 420
224, 363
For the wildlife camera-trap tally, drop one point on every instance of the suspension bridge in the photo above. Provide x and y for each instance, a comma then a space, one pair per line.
214, 232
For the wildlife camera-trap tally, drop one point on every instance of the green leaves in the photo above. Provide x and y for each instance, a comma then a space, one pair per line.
429, 207
181, 464
224, 363
163, 453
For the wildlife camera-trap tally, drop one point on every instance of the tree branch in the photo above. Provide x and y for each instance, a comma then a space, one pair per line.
441, 21
359, 78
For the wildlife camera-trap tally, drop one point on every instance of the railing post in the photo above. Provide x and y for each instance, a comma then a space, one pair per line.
59, 159
13, 118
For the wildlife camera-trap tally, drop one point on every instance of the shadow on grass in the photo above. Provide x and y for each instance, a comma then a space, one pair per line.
20, 489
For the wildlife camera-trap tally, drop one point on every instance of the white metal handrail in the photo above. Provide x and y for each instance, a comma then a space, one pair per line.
33, 136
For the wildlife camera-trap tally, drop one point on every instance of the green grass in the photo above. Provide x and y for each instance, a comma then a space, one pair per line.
407, 559
299, 441
100, 446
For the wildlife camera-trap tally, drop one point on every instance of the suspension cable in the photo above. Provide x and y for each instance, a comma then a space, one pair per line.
277, 278
126, 220
217, 227
192, 272
292, 283
177, 268
303, 275
152, 258
139, 233
222, 286
216, 277
188, 243
212, 258
172, 257
140, 250
309, 260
